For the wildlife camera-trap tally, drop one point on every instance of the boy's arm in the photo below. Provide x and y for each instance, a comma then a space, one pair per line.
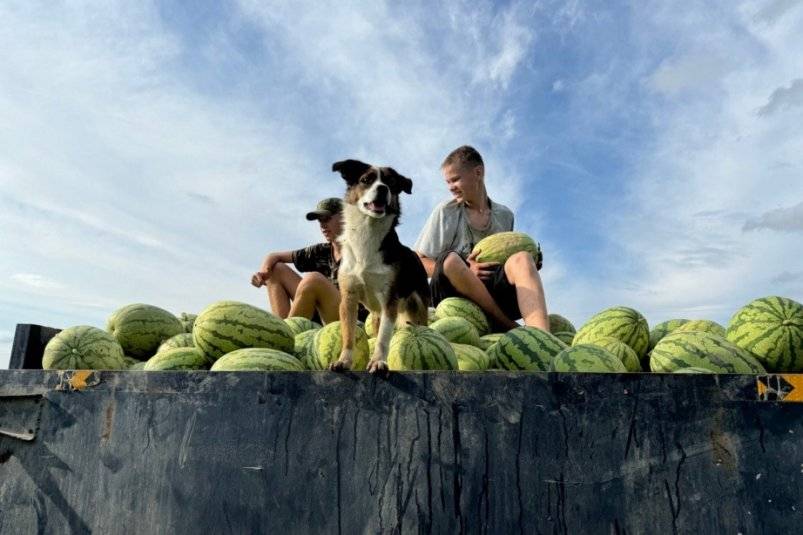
429, 263
266, 268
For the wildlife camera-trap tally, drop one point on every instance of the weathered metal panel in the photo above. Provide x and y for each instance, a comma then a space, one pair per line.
318, 452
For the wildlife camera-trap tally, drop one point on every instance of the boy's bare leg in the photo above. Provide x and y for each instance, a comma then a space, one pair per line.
282, 287
316, 292
470, 286
520, 271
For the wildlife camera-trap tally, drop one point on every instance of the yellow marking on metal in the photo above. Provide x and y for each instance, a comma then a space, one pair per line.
78, 379
780, 387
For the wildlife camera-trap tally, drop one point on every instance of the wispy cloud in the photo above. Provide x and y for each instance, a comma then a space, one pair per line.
773, 10
34, 280
784, 97
781, 220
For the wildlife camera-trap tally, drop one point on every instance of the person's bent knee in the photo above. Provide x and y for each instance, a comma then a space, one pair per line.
521, 258
453, 263
311, 281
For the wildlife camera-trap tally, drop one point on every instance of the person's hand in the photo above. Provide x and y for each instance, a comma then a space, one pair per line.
258, 279
483, 270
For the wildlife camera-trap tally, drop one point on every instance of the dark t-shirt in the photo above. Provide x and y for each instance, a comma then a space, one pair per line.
318, 257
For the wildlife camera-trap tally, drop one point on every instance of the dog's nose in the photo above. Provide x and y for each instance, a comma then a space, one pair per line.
382, 191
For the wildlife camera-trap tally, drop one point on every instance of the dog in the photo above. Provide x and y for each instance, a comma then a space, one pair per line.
375, 268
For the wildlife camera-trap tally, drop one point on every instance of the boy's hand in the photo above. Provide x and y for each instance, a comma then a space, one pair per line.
483, 270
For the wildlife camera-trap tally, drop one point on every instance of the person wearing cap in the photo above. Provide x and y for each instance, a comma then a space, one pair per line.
291, 294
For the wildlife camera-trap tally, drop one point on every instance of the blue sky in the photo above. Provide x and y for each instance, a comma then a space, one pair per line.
154, 152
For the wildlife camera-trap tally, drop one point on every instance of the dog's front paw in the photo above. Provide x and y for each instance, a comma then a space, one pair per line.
340, 365
378, 366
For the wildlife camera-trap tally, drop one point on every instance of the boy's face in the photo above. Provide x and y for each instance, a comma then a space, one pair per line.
331, 226
464, 182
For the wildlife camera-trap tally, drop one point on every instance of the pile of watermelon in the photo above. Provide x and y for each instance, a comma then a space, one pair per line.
764, 335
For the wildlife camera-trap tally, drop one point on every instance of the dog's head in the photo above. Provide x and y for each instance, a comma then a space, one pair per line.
374, 190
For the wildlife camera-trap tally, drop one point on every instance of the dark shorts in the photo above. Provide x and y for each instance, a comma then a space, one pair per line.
498, 286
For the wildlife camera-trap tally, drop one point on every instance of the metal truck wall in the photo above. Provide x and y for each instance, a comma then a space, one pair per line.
319, 452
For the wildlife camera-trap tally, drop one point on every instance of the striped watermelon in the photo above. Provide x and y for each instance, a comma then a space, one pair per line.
559, 324
187, 320
664, 328
566, 337
457, 330
502, 245
83, 347
707, 326
300, 324
179, 340
140, 328
432, 315
621, 350
138, 366
692, 369
130, 361
470, 358
701, 350
488, 340
226, 326
177, 358
623, 323
525, 348
772, 329
458, 307
257, 359
302, 343
587, 358
328, 343
415, 347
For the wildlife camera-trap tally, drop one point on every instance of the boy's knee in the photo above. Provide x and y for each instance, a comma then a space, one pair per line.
520, 259
311, 281
453, 263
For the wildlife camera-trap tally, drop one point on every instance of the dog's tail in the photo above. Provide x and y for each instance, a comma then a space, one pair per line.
414, 310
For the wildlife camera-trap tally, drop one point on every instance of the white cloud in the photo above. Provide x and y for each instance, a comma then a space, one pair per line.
36, 281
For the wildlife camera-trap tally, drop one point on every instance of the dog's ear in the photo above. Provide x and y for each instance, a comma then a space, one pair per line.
400, 183
350, 170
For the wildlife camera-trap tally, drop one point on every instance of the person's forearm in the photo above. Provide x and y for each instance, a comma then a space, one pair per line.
429, 264
279, 256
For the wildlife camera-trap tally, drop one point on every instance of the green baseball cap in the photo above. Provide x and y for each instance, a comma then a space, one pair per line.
326, 208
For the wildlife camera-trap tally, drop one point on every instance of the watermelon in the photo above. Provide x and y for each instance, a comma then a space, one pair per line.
623, 323
458, 307
702, 325
302, 343
558, 324
488, 340
140, 328
502, 245
187, 320
772, 329
470, 358
587, 358
525, 348
622, 351
300, 324
130, 361
457, 330
177, 358
257, 359
415, 347
371, 345
226, 326
369, 326
328, 343
701, 350
179, 340
662, 329
692, 369
139, 366
432, 315
566, 337
83, 347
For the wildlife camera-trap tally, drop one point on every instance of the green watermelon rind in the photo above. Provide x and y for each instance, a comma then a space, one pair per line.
586, 358
415, 347
771, 328
703, 350
177, 358
470, 358
141, 328
257, 359
525, 349
83, 347
460, 307
457, 330
227, 326
623, 323
328, 344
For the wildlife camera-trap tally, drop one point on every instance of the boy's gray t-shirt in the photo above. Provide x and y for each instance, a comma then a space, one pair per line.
447, 229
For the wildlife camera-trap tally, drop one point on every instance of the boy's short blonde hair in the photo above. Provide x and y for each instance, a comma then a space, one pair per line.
465, 155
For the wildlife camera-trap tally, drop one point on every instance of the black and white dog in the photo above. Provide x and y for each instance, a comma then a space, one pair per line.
375, 268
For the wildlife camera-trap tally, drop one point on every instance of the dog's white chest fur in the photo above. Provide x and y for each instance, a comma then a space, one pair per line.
361, 258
